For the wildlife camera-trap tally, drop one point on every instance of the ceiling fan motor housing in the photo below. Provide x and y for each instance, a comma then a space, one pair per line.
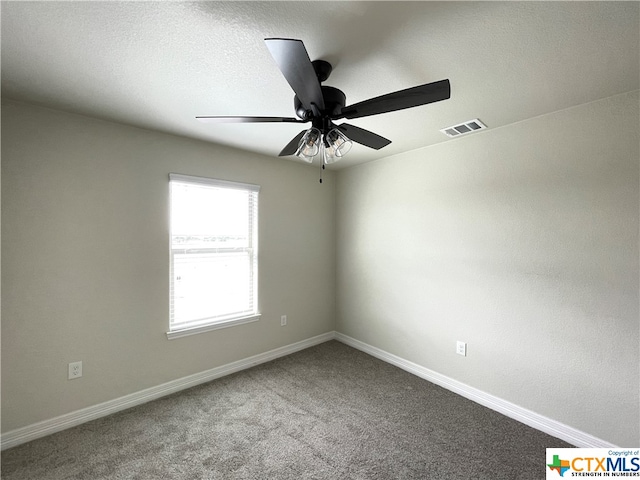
334, 101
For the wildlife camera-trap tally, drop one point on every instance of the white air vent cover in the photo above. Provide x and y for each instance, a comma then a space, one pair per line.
464, 128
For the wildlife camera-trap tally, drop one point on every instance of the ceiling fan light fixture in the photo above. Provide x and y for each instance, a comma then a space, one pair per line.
336, 146
309, 145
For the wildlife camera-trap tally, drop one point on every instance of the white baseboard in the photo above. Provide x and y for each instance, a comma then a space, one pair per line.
72, 419
535, 420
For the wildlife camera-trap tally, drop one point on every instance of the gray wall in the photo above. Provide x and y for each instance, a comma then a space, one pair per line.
521, 241
85, 272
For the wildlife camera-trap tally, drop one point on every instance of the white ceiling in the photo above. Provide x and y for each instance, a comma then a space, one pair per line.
158, 65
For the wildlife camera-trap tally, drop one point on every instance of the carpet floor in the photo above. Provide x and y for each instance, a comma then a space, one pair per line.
327, 412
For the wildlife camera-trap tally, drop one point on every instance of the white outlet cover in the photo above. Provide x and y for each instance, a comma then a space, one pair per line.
75, 370
461, 348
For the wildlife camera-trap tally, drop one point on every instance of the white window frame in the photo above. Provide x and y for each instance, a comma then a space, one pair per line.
181, 329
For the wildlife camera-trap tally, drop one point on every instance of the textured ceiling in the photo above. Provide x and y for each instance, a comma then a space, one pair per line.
158, 65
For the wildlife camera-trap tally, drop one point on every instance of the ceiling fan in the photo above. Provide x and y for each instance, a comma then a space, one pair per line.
321, 105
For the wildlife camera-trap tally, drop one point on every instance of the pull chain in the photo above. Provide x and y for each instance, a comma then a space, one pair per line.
321, 172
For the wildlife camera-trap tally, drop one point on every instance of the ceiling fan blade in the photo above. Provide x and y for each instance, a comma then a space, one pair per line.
292, 146
364, 137
408, 98
294, 63
247, 119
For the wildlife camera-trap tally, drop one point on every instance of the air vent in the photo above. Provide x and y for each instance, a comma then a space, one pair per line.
464, 128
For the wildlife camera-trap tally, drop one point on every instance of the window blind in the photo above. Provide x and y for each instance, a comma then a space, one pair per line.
214, 251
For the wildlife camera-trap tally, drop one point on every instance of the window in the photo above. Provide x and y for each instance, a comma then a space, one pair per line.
214, 255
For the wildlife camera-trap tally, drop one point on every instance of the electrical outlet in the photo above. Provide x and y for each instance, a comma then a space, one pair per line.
461, 348
75, 370
283, 320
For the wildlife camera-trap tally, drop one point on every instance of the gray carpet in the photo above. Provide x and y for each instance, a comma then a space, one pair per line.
328, 412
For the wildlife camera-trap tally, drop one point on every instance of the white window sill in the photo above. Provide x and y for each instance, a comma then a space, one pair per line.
173, 334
